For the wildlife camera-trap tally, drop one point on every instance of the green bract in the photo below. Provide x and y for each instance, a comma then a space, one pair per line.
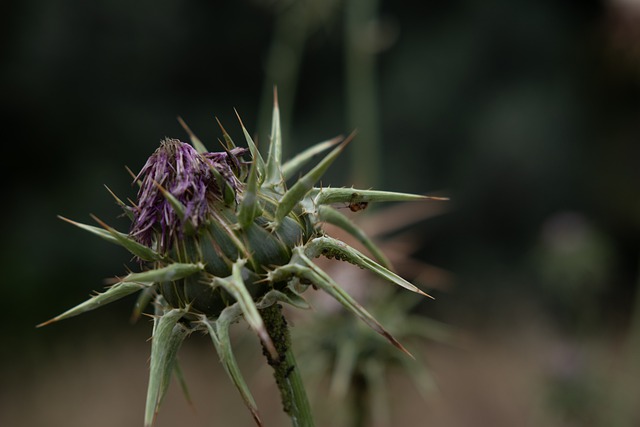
223, 237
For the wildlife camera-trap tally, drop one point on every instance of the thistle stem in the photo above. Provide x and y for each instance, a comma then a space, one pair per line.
292, 392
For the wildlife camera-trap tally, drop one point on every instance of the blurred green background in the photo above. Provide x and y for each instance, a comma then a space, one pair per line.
525, 113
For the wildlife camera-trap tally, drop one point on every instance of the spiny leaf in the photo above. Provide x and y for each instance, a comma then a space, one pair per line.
327, 196
287, 296
219, 332
255, 153
274, 158
227, 138
332, 216
228, 194
111, 235
144, 298
249, 208
183, 383
304, 268
174, 271
138, 249
306, 183
333, 248
125, 208
167, 337
294, 164
114, 293
195, 141
235, 285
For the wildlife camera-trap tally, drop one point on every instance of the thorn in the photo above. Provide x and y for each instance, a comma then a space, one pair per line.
48, 322
99, 221
424, 294
275, 96
133, 175
185, 127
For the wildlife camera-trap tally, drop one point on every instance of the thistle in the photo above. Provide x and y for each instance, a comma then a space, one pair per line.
221, 236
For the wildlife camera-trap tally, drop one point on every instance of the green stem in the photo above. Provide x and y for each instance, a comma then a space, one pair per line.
287, 375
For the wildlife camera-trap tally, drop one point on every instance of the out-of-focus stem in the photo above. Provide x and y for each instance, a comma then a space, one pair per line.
361, 87
282, 66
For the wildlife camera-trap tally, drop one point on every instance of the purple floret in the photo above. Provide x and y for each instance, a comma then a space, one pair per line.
187, 175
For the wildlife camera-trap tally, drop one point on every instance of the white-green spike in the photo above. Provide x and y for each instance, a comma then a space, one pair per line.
173, 271
304, 268
327, 196
195, 141
333, 248
114, 293
332, 216
274, 158
113, 236
297, 192
225, 135
253, 148
168, 335
219, 332
125, 208
249, 207
235, 285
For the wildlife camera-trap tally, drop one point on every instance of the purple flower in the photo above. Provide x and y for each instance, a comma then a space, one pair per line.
187, 175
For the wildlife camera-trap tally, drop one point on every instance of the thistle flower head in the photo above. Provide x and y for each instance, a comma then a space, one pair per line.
223, 238
176, 168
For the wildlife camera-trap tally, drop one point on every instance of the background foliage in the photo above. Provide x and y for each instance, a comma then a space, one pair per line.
525, 113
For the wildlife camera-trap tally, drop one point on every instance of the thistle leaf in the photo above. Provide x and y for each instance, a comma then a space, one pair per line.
125, 208
306, 183
219, 332
288, 296
249, 208
255, 153
228, 194
227, 138
144, 298
304, 268
138, 249
195, 141
114, 293
235, 285
173, 271
333, 248
113, 236
293, 165
274, 158
332, 216
167, 337
327, 196
183, 383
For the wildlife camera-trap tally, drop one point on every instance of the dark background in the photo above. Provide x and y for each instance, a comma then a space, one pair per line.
524, 112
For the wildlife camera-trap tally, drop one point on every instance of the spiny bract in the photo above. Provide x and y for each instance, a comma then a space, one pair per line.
222, 237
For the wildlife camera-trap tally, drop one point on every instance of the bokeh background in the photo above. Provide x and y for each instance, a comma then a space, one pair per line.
524, 112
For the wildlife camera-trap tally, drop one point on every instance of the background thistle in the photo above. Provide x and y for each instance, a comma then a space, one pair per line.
222, 238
